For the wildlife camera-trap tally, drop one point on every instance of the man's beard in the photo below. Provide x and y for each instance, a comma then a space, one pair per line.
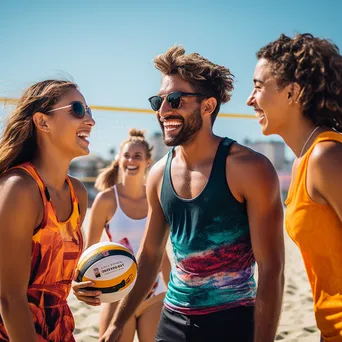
187, 133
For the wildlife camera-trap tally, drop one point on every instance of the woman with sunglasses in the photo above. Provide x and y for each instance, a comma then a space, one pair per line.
298, 95
121, 208
41, 211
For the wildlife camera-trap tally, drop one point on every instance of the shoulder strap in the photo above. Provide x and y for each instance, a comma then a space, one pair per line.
118, 208
218, 172
115, 190
167, 170
227, 144
169, 158
223, 151
325, 136
166, 188
44, 193
72, 189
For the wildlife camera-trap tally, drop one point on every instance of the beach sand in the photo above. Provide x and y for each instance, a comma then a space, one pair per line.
297, 323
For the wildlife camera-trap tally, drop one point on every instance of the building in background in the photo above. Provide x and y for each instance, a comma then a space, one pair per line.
273, 150
86, 169
159, 148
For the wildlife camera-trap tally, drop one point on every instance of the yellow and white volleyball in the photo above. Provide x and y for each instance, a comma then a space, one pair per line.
111, 266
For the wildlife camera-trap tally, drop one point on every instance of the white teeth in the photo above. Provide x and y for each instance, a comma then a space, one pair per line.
172, 123
132, 167
170, 128
83, 135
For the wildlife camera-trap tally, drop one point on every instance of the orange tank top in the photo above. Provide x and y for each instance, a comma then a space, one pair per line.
56, 248
317, 231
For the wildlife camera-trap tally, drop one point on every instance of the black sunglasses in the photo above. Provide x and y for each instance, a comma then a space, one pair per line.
78, 109
173, 99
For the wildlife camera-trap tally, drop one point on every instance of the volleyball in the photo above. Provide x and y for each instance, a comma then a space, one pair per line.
111, 266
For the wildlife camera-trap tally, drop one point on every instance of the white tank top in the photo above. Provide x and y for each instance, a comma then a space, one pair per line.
129, 232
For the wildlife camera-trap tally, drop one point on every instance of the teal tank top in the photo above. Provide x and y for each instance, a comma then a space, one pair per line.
213, 265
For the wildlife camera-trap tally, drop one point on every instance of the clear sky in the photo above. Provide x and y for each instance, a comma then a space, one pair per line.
107, 48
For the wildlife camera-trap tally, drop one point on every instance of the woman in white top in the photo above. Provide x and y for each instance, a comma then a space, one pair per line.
121, 209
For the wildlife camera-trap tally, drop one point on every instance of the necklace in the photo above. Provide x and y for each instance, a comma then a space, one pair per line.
301, 152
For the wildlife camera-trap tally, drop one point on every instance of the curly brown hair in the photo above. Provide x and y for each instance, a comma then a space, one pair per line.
316, 65
205, 77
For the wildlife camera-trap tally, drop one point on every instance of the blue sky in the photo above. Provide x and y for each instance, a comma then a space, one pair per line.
107, 48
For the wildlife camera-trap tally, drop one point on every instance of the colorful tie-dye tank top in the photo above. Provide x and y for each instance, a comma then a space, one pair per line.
213, 265
56, 248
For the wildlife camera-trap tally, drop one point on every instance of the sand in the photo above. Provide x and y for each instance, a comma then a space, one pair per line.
297, 321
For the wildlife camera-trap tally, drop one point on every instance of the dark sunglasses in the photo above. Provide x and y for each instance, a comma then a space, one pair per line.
78, 109
173, 99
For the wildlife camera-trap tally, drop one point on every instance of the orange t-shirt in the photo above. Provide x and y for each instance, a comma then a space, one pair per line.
317, 231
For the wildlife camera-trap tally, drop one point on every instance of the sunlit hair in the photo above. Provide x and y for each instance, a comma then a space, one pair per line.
205, 77
316, 65
18, 143
108, 177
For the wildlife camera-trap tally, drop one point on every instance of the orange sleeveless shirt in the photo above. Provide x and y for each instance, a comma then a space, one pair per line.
56, 248
317, 231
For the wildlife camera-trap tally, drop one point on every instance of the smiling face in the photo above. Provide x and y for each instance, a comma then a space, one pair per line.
133, 161
66, 132
180, 125
270, 103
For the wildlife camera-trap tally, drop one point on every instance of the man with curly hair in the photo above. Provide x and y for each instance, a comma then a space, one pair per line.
220, 203
298, 95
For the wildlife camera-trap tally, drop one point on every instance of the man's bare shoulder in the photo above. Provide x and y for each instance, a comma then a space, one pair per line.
249, 163
251, 174
245, 156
